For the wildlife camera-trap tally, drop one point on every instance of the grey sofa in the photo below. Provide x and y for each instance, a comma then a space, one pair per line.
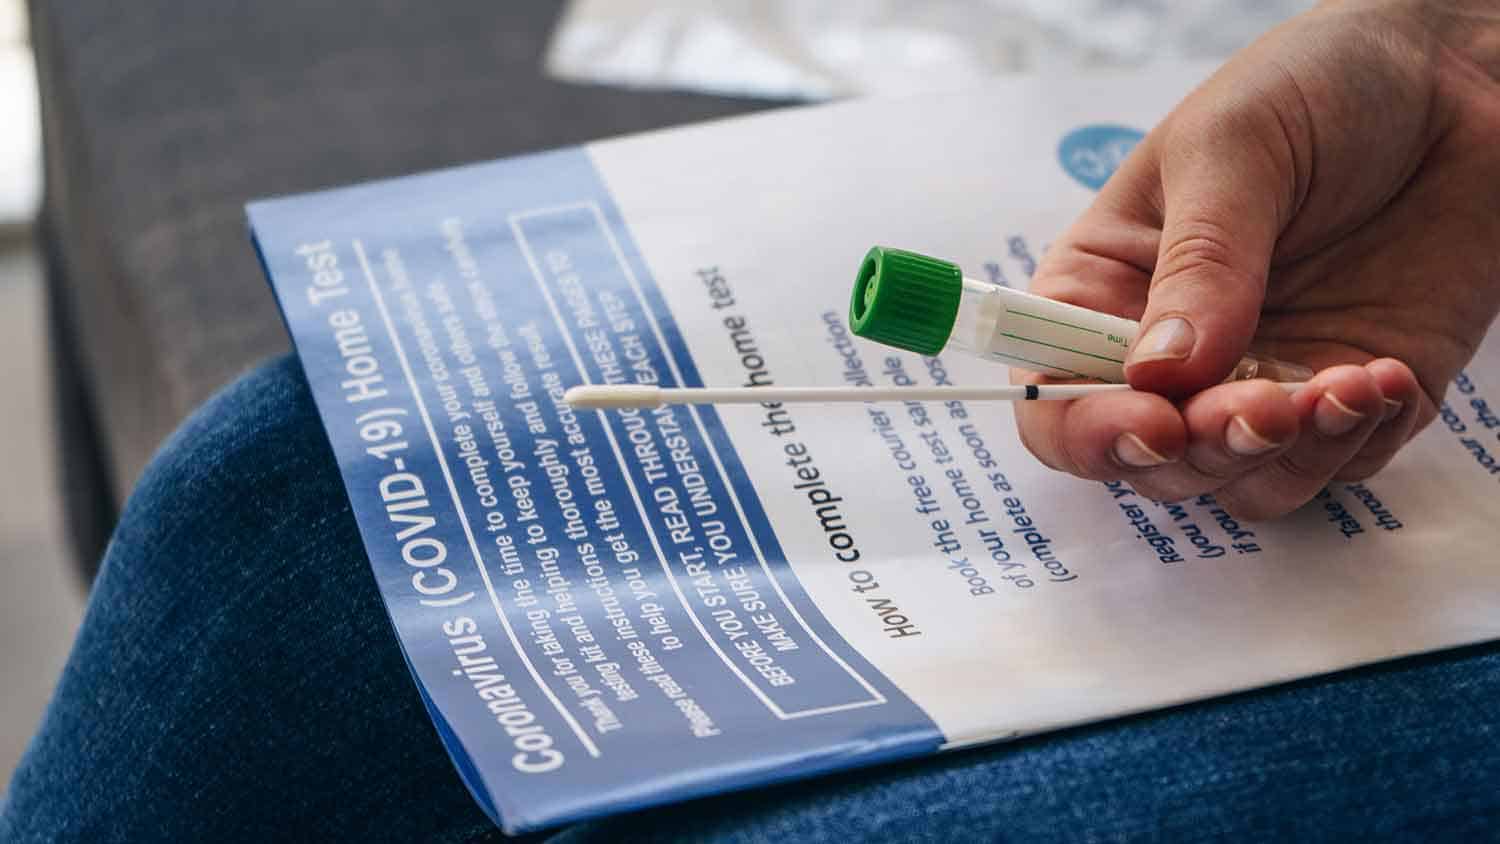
162, 118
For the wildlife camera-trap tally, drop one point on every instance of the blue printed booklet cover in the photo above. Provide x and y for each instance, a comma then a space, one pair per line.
608, 610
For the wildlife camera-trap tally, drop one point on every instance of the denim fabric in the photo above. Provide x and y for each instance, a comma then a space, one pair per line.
236, 679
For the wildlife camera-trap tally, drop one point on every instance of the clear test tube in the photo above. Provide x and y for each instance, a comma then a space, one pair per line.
926, 305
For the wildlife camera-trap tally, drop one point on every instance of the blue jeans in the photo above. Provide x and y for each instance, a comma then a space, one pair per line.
236, 679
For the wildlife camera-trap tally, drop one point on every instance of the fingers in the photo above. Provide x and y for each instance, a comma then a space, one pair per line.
1406, 403
1262, 451
1106, 437
1233, 429
1339, 410
1164, 452
1223, 197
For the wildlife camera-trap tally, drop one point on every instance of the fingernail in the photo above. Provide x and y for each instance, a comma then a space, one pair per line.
1168, 339
1333, 418
1393, 409
1245, 440
1131, 451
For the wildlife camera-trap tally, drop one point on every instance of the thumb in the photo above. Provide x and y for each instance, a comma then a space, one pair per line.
1221, 199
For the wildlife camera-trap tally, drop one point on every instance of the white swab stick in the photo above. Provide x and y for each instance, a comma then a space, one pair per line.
611, 396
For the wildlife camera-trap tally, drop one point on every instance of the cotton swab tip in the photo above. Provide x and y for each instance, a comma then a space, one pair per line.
612, 396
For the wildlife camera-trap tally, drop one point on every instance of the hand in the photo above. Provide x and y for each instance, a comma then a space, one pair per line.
1330, 197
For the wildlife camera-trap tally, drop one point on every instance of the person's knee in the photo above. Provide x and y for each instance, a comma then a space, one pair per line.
241, 514
252, 463
234, 636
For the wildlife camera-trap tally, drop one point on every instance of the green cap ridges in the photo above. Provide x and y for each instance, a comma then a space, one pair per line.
905, 300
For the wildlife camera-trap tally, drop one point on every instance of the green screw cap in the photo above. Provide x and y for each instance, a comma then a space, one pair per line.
905, 300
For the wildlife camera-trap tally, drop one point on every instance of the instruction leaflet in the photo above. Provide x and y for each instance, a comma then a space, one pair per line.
611, 610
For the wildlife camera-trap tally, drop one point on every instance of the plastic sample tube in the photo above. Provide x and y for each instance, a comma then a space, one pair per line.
926, 305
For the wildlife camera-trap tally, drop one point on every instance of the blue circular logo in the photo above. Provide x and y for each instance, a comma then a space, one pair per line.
1091, 154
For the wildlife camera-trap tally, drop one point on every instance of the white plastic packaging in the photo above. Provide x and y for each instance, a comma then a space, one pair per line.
817, 49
